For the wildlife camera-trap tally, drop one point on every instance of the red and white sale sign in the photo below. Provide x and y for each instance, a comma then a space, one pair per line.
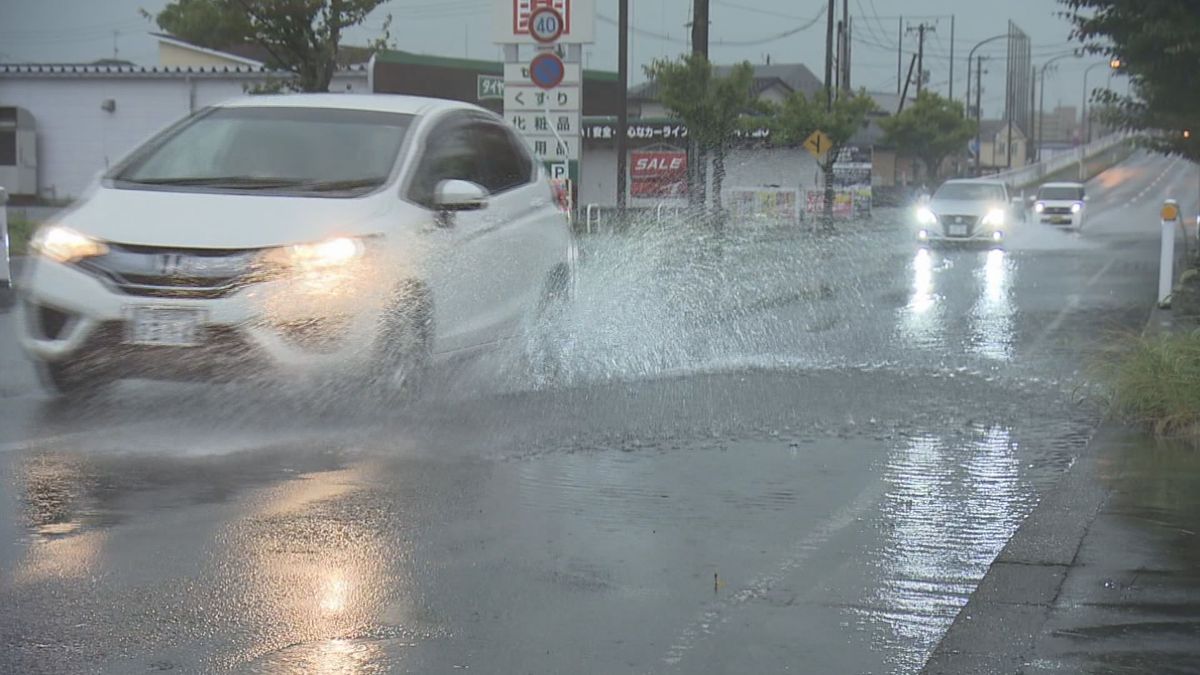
657, 173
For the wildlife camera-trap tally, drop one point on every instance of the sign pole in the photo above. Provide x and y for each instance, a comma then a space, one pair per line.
622, 100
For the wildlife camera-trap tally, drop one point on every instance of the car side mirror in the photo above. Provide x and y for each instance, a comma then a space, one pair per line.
459, 195
1085, 198
1032, 199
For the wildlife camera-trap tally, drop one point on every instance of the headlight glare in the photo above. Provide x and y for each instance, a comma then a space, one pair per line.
1039, 207
66, 245
1076, 207
925, 216
994, 217
321, 255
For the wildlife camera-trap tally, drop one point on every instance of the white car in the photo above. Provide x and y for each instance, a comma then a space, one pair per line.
1061, 204
967, 210
368, 234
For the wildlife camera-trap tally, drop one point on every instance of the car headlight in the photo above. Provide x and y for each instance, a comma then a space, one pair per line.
327, 254
1076, 207
1039, 207
66, 245
925, 216
994, 218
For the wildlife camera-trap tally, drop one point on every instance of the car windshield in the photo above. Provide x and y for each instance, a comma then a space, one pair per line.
1061, 192
288, 149
973, 192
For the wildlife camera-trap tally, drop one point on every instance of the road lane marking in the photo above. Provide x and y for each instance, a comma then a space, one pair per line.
707, 622
1072, 304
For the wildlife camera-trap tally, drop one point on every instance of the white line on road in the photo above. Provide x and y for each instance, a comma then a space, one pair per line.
1072, 303
707, 622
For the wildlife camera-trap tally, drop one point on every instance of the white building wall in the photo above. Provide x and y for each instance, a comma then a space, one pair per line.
77, 139
749, 167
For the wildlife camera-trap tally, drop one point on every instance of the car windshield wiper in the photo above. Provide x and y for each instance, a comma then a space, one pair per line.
240, 182
338, 185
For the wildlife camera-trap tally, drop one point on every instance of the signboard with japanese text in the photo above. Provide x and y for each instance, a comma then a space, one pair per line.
531, 98
657, 130
657, 173
766, 205
563, 123
489, 87
511, 20
549, 147
852, 174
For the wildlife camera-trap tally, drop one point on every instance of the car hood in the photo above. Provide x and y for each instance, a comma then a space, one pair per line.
962, 208
1059, 202
210, 220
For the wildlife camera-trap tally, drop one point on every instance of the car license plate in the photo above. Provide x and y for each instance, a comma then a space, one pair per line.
1060, 220
958, 230
164, 326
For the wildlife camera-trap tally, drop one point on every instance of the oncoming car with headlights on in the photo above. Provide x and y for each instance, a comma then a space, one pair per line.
1061, 204
967, 210
361, 235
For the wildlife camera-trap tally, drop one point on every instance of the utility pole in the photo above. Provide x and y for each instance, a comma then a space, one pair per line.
846, 45
951, 96
899, 50
1029, 149
978, 113
700, 27
622, 101
697, 157
920, 29
829, 56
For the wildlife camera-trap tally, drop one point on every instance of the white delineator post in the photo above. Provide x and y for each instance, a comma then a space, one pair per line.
1166, 261
5, 270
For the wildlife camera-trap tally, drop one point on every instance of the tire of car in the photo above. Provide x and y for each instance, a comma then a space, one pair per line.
404, 344
70, 380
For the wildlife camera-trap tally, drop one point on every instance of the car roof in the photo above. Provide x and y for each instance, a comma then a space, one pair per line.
974, 181
1063, 184
395, 103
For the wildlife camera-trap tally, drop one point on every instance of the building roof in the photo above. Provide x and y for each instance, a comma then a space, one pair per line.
795, 76
989, 128
401, 57
252, 54
99, 70
224, 54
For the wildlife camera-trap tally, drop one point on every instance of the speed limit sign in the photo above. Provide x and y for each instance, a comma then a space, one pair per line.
545, 25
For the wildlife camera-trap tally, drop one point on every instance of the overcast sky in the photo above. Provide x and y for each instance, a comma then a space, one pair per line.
85, 30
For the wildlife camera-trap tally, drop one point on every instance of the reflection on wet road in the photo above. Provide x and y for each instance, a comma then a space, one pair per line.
784, 453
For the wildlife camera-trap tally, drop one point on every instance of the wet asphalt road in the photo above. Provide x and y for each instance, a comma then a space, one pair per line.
796, 455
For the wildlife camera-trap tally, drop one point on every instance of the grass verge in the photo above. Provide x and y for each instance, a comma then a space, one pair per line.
1155, 381
19, 232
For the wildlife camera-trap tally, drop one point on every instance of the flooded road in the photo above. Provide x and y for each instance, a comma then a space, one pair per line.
783, 454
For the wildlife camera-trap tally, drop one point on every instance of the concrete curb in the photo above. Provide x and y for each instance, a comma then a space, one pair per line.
996, 631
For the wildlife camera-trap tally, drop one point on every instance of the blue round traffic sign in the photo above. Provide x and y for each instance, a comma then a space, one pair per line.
546, 70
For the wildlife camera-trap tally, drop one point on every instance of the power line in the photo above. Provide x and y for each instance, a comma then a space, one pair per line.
721, 43
757, 10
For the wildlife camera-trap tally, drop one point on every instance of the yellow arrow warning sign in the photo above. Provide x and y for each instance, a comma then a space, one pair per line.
818, 143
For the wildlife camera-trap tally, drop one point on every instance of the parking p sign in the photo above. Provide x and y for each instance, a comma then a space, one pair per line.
560, 170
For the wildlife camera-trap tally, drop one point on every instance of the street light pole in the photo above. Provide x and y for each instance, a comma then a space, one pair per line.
1038, 136
1084, 118
971, 55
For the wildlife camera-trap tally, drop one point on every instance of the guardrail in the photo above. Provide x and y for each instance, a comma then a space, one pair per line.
1034, 173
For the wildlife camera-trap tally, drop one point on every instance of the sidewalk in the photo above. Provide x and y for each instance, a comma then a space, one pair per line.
1103, 577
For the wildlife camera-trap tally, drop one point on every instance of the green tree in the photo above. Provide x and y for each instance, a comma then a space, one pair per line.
1157, 43
301, 36
711, 107
799, 116
931, 129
